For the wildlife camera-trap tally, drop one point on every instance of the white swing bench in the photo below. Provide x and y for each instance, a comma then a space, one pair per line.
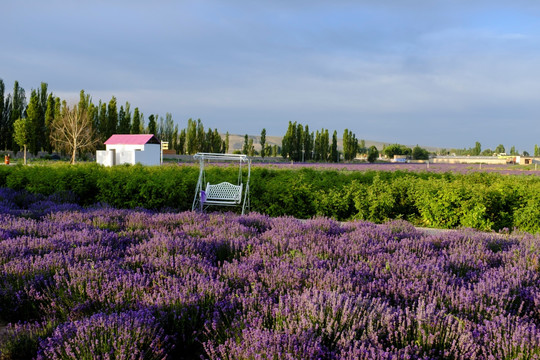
223, 193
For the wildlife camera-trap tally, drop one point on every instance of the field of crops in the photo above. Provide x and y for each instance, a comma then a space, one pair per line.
505, 169
99, 282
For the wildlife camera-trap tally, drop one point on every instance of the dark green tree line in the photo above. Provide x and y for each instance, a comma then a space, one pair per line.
299, 144
350, 145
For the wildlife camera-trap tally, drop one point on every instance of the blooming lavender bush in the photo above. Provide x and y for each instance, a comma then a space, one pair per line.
107, 283
129, 335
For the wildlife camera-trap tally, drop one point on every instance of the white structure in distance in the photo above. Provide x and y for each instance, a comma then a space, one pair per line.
120, 149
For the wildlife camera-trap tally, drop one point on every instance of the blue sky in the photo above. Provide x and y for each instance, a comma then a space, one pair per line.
441, 73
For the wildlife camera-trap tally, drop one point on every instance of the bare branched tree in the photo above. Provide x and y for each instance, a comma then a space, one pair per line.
73, 131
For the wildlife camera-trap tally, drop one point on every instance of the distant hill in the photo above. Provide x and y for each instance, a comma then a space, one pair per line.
236, 142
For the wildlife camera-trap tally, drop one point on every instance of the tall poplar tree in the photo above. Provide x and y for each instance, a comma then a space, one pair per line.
160, 128
41, 139
102, 122
168, 129
200, 135
112, 118
325, 145
182, 142
18, 104
32, 126
288, 140
308, 144
245, 148
350, 145
7, 116
127, 119
43, 95
175, 139
2, 117
334, 154
208, 141
263, 142
123, 121
317, 146
477, 149
297, 143
49, 119
227, 142
191, 135
136, 124
152, 125
217, 143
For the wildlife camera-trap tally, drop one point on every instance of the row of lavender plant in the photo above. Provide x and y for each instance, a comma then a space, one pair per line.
506, 169
102, 283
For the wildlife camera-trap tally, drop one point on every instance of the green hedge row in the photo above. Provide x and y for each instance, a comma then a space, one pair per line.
481, 200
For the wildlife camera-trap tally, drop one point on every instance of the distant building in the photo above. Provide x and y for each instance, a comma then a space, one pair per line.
399, 159
120, 149
469, 160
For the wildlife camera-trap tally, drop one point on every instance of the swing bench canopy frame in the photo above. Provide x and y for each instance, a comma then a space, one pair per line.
224, 193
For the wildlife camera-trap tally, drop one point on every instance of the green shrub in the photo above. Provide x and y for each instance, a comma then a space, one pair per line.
481, 200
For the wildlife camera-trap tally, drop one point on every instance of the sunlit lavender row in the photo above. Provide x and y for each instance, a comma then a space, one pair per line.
457, 168
414, 167
126, 284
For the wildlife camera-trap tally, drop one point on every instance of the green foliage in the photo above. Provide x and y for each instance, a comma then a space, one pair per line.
136, 122
396, 149
34, 126
477, 149
482, 200
4, 103
527, 215
334, 154
148, 187
152, 124
419, 153
112, 118
350, 145
22, 131
24, 344
373, 154
263, 142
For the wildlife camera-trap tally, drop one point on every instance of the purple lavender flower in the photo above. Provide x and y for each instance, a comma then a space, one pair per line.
128, 335
223, 286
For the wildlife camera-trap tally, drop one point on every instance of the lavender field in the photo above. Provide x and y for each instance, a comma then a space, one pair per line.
103, 283
508, 169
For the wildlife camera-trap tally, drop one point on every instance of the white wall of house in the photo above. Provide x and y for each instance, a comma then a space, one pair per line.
151, 155
105, 157
147, 154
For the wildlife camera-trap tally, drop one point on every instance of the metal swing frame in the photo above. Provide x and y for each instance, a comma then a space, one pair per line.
225, 193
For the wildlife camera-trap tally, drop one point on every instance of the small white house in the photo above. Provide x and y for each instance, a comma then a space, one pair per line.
130, 149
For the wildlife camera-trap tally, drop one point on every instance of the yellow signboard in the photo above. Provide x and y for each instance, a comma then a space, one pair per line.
165, 145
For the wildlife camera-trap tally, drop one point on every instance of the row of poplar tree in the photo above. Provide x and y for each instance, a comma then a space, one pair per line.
107, 119
299, 144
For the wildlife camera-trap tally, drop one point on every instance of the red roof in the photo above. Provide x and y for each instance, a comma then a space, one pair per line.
125, 139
